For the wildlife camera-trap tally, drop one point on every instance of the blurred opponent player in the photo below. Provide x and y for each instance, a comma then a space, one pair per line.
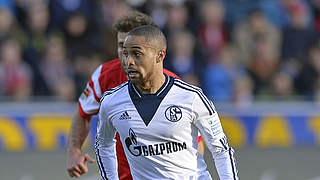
106, 76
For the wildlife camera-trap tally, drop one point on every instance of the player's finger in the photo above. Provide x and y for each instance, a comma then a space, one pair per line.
70, 173
76, 174
76, 169
73, 173
83, 168
88, 158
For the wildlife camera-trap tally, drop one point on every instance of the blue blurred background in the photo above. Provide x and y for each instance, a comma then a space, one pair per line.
258, 60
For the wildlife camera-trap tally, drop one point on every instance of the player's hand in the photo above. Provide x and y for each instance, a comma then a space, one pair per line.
76, 163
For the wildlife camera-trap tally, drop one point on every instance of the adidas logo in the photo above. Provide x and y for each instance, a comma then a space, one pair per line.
124, 116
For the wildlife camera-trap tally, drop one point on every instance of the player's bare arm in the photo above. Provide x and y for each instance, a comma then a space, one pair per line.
76, 161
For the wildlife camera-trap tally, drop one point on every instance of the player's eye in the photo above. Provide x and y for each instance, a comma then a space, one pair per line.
137, 54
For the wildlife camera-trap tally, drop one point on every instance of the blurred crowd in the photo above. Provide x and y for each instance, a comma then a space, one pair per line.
238, 51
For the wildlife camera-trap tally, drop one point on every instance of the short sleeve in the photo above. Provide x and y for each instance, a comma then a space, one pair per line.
90, 98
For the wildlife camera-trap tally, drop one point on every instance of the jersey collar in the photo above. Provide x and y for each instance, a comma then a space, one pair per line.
161, 92
147, 104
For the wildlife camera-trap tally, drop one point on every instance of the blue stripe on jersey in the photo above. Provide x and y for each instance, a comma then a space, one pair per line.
100, 165
233, 165
110, 91
197, 89
147, 104
202, 97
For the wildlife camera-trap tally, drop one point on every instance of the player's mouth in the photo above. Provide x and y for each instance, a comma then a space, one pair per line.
132, 73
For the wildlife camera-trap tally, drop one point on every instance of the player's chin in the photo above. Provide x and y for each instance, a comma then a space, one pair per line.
133, 77
134, 80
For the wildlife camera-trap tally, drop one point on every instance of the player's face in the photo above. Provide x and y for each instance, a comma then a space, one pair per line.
121, 37
140, 59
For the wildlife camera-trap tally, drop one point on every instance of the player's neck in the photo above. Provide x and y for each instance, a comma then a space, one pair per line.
152, 85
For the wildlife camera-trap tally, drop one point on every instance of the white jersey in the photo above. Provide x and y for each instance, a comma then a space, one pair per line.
159, 133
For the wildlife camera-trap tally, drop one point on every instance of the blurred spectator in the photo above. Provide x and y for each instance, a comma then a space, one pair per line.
110, 11
181, 57
80, 40
8, 26
262, 65
65, 89
193, 21
219, 77
157, 10
212, 33
56, 69
280, 12
80, 22
60, 11
23, 6
15, 75
177, 19
307, 79
247, 33
243, 91
298, 36
6, 22
282, 87
316, 10
36, 39
237, 11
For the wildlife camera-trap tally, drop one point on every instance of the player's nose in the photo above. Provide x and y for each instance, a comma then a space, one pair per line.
130, 61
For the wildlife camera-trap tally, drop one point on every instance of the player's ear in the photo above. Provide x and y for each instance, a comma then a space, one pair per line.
161, 55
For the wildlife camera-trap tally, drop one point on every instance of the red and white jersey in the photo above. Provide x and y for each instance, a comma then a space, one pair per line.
107, 76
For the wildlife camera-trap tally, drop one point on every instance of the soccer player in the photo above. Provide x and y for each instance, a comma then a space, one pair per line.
107, 76
158, 118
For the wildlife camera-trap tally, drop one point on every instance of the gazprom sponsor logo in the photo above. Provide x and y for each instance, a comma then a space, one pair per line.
152, 149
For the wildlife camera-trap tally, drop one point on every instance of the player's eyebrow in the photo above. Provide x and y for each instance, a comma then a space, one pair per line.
144, 45
136, 47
